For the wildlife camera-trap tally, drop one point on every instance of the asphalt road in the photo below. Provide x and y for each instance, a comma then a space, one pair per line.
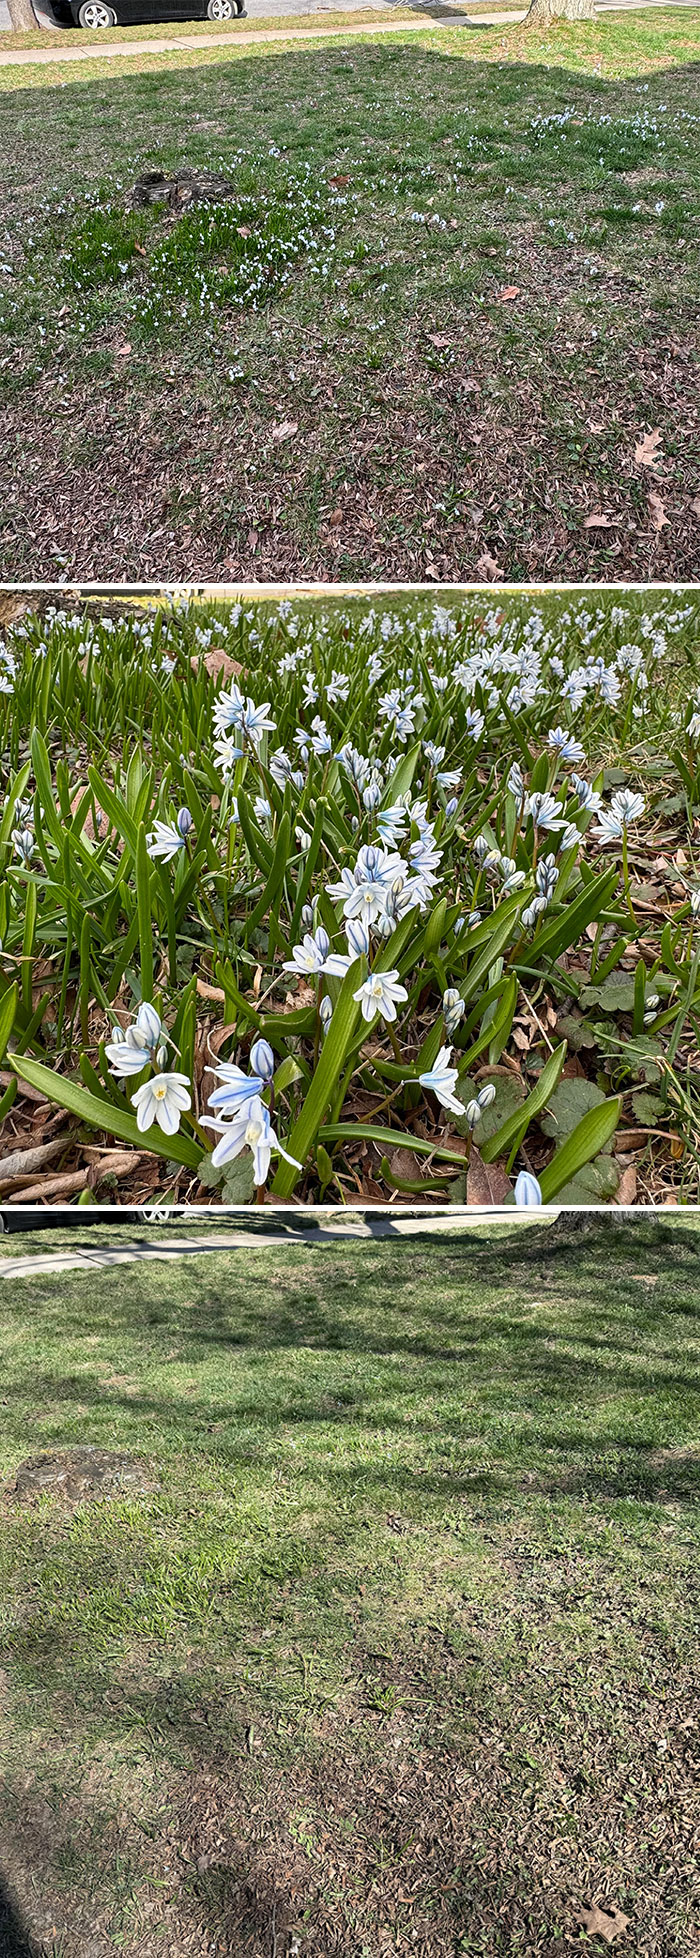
271, 9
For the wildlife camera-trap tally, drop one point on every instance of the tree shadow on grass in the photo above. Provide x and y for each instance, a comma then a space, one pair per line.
13, 1943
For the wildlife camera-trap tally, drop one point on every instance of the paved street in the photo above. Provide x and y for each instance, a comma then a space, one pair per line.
318, 10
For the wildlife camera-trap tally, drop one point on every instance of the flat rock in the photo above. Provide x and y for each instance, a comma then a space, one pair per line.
82, 1474
181, 189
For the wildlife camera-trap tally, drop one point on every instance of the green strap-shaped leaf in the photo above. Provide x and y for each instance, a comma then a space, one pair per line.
511, 1133
586, 1141
8, 1009
330, 1066
44, 788
276, 877
568, 928
389, 1138
258, 849
115, 808
99, 1114
143, 905
14, 795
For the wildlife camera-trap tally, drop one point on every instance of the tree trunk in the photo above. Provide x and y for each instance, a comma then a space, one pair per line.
542, 11
22, 15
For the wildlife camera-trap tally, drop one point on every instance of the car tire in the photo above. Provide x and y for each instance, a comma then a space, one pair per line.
95, 13
220, 9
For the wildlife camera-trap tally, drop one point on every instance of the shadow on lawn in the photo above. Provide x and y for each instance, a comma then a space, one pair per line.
535, 1386
13, 1943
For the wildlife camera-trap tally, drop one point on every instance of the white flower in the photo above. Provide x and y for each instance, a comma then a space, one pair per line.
474, 1109
453, 1008
250, 1129
627, 807
441, 1080
162, 1100
567, 748
128, 1052
311, 955
527, 1191
544, 809
239, 1089
167, 839
379, 994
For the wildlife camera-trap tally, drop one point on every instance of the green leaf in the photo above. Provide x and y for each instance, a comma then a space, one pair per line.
67, 1094
588, 1140
8, 1009
594, 1184
567, 929
509, 1099
143, 905
287, 1073
570, 1101
388, 1138
512, 1132
335, 1049
44, 788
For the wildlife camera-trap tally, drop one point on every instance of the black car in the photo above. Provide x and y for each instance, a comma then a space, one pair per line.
126, 13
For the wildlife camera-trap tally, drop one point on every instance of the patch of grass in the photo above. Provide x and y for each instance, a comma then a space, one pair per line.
573, 147
405, 1639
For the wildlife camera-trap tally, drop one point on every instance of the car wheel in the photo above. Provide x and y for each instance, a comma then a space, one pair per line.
220, 9
94, 13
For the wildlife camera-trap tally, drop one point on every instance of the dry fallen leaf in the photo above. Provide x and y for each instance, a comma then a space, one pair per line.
439, 340
627, 1186
607, 1924
486, 1182
488, 568
647, 450
598, 521
695, 505
509, 292
339, 182
217, 662
656, 510
243, 230
282, 431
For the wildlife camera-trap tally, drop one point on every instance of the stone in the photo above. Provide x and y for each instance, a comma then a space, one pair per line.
183, 188
82, 1474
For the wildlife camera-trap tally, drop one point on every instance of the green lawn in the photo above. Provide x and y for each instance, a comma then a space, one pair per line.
463, 337
401, 1653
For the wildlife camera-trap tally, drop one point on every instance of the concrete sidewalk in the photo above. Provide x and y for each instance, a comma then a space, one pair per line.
351, 1229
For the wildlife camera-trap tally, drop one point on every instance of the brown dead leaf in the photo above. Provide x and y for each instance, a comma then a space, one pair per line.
283, 430
607, 1924
243, 230
141, 250
257, 981
217, 662
509, 292
218, 1036
695, 505
252, 540
488, 569
656, 510
209, 992
599, 521
522, 1038
646, 453
486, 1183
439, 340
340, 182
126, 349
627, 1187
